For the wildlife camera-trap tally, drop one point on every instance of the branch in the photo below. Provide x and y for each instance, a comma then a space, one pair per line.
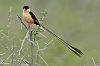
23, 42
22, 21
93, 61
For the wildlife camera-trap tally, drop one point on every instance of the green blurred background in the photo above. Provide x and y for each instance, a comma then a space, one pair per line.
76, 21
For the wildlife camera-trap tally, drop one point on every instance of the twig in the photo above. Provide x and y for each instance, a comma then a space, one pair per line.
43, 60
46, 44
2, 54
2, 63
10, 11
32, 54
23, 42
49, 42
42, 35
12, 55
93, 62
22, 21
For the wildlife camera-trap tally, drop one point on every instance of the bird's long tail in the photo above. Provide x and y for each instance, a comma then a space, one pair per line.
73, 49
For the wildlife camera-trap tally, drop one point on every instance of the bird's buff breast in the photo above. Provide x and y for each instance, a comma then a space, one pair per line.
27, 17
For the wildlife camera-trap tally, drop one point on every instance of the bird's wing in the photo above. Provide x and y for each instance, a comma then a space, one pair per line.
34, 18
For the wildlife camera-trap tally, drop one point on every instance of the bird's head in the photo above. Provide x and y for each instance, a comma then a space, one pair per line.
26, 8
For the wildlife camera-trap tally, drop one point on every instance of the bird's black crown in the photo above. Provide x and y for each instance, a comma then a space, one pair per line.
26, 7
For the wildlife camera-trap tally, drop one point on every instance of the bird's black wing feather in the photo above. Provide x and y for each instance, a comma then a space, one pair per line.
35, 19
33, 16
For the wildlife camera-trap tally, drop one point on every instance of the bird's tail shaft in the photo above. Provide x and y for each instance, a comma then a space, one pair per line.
73, 49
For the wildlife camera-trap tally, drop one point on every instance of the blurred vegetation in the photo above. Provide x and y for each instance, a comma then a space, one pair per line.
76, 21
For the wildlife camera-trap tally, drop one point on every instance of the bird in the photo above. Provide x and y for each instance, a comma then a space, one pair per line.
30, 18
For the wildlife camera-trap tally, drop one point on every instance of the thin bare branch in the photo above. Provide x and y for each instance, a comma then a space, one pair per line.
22, 21
94, 61
27, 34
